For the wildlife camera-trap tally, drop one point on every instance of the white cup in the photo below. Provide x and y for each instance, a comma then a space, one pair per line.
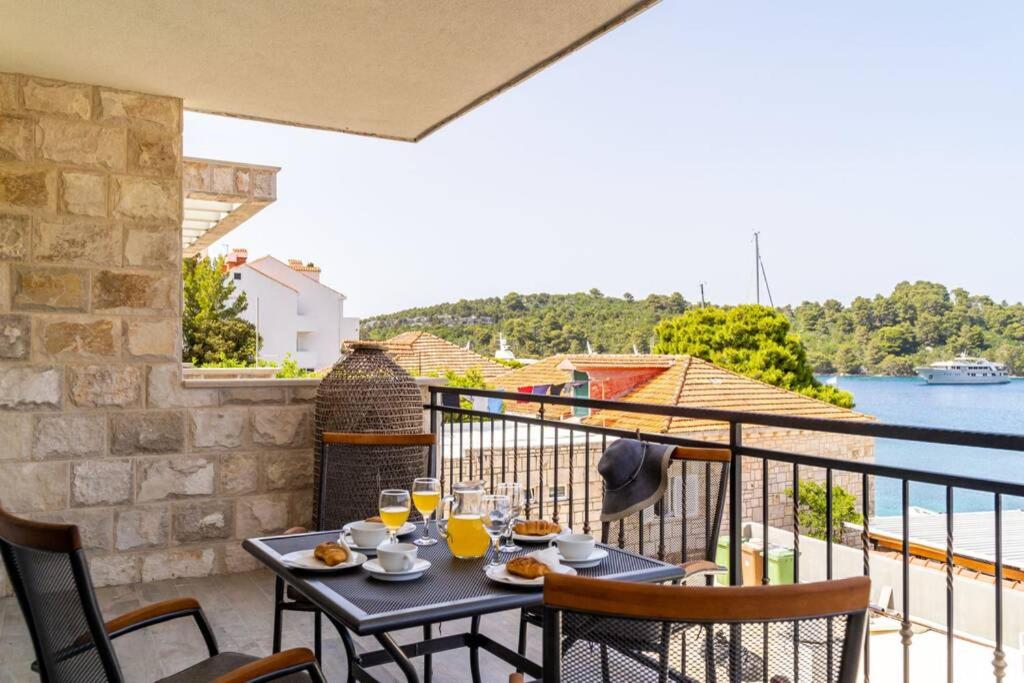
575, 546
396, 557
368, 534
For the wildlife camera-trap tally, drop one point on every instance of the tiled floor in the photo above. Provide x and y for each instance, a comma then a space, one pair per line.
240, 608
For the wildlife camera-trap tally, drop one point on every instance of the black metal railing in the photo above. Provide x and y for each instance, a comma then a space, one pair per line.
556, 476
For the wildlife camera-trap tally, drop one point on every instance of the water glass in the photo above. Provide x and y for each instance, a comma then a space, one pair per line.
514, 491
495, 514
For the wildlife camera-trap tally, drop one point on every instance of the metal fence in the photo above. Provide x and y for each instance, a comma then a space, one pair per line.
551, 456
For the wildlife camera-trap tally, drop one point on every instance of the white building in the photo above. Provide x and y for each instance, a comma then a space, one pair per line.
293, 311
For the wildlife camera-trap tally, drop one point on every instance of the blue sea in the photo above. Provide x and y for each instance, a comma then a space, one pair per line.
909, 401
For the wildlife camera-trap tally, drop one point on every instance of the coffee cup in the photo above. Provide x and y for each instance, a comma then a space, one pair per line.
368, 534
575, 546
396, 557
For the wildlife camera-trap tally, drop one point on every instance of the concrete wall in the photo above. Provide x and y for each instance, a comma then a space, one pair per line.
98, 428
278, 310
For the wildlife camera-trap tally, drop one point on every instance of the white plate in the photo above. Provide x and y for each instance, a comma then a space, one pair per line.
405, 530
546, 538
501, 575
304, 559
375, 570
595, 559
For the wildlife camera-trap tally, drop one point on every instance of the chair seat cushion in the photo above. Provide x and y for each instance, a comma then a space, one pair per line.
218, 665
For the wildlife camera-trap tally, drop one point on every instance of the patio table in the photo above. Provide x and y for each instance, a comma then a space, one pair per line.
450, 589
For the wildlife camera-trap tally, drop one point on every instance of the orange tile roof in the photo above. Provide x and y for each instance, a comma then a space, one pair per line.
558, 368
422, 353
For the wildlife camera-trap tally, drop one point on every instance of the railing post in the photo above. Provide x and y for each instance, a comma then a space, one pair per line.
735, 506
432, 451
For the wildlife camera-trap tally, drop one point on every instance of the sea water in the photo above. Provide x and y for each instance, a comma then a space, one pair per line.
909, 401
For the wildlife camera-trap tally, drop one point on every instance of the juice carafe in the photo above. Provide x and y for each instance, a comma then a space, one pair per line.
464, 529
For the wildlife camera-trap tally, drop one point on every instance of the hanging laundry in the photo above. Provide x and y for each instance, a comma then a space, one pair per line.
556, 389
541, 389
525, 390
495, 405
480, 403
450, 400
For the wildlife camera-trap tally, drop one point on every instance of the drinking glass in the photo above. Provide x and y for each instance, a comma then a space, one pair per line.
426, 494
394, 511
495, 514
514, 491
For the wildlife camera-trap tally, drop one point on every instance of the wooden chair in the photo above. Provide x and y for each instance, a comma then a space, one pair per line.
812, 631
682, 528
48, 571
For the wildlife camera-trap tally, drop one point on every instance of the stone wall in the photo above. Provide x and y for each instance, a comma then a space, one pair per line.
98, 428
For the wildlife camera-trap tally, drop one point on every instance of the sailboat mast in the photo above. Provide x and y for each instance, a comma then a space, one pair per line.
757, 267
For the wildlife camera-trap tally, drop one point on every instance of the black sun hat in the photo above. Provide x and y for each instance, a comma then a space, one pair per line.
635, 476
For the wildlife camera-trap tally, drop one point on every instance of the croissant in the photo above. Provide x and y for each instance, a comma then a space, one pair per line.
375, 518
330, 553
527, 567
536, 527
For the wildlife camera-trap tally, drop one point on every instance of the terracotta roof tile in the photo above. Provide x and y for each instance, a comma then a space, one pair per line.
421, 353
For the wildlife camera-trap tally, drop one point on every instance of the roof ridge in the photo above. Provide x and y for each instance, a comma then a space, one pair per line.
679, 390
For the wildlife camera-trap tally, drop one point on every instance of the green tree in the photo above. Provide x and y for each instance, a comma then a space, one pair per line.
751, 340
212, 330
811, 510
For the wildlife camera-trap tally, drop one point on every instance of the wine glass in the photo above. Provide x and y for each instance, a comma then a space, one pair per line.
495, 514
514, 491
394, 511
426, 494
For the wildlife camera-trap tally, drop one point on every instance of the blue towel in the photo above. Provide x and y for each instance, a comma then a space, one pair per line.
541, 388
495, 405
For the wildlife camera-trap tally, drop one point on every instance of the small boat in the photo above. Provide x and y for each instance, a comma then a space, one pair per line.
964, 370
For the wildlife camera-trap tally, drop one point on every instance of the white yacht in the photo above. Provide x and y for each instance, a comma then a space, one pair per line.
964, 370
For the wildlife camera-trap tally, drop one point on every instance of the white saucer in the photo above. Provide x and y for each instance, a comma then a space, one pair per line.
405, 529
304, 560
500, 575
546, 538
595, 559
347, 538
375, 570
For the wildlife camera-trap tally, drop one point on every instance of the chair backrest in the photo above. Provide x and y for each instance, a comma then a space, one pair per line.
610, 630
686, 523
48, 572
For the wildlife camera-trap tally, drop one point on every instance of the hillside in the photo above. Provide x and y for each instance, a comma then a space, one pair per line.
538, 325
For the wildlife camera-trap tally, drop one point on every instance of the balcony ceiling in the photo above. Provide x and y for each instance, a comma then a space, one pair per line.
395, 69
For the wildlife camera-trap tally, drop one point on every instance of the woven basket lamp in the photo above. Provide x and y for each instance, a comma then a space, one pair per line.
369, 435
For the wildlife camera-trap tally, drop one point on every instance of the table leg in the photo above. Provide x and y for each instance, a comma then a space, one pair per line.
399, 657
350, 650
427, 659
474, 650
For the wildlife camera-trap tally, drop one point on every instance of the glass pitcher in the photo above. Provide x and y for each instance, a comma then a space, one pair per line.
464, 529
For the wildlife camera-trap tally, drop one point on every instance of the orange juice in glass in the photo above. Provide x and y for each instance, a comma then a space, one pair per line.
426, 495
394, 511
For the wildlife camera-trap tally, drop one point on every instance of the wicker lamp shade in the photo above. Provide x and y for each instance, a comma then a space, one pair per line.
366, 392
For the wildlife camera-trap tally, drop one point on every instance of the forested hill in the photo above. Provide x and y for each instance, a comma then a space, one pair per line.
538, 325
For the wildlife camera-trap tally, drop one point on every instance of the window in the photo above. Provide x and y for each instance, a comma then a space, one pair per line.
238, 276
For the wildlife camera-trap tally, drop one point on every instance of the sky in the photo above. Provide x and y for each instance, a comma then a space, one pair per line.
867, 142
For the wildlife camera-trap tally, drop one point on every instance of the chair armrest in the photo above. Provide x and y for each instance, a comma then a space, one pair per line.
275, 666
160, 612
702, 568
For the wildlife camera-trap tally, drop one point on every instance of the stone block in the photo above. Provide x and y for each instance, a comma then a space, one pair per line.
59, 337
58, 437
57, 97
157, 337
101, 482
26, 187
302, 394
165, 390
237, 559
147, 199
209, 520
260, 516
105, 386
49, 288
97, 244
142, 527
15, 336
216, 428
115, 570
222, 179
130, 106
15, 138
81, 144
9, 100
17, 431
14, 229
151, 431
83, 194
255, 395
196, 175
153, 247
180, 477
264, 184
153, 151
95, 527
31, 387
178, 563
34, 486
125, 292
300, 509
239, 474
288, 470
282, 427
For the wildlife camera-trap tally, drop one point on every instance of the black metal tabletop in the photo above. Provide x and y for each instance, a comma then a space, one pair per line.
450, 589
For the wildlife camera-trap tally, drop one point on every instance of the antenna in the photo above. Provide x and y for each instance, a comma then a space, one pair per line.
702, 304
757, 266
